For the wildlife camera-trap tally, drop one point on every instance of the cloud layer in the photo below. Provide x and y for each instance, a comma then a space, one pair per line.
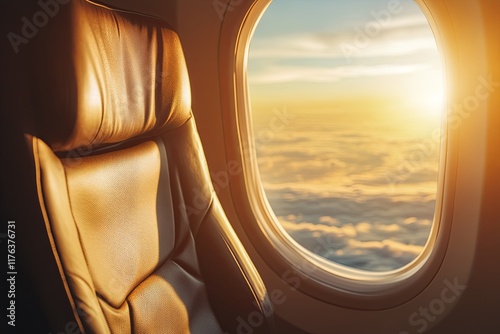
332, 191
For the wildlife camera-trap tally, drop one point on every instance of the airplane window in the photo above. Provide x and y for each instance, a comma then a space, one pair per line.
346, 104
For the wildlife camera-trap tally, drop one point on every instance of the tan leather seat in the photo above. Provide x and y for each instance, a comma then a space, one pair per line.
128, 235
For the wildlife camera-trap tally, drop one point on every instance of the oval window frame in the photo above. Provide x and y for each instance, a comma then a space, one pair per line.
346, 287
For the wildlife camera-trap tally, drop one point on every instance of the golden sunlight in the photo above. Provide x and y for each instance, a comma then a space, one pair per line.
429, 94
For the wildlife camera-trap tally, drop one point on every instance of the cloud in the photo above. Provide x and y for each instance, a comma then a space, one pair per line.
329, 220
404, 46
413, 32
329, 192
345, 244
297, 73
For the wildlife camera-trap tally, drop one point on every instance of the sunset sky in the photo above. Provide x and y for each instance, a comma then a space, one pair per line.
361, 109
299, 51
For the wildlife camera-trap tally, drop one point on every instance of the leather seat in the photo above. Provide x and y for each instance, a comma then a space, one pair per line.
126, 234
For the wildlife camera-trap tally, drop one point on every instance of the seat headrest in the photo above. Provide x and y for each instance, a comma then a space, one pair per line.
103, 76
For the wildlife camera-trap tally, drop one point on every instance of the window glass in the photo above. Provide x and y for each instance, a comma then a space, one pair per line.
346, 102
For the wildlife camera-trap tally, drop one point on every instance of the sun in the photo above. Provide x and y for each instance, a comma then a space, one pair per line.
429, 95
435, 103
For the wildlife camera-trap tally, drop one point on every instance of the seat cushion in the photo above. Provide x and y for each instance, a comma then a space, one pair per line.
128, 264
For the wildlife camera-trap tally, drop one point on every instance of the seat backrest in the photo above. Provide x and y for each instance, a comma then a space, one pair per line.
134, 238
